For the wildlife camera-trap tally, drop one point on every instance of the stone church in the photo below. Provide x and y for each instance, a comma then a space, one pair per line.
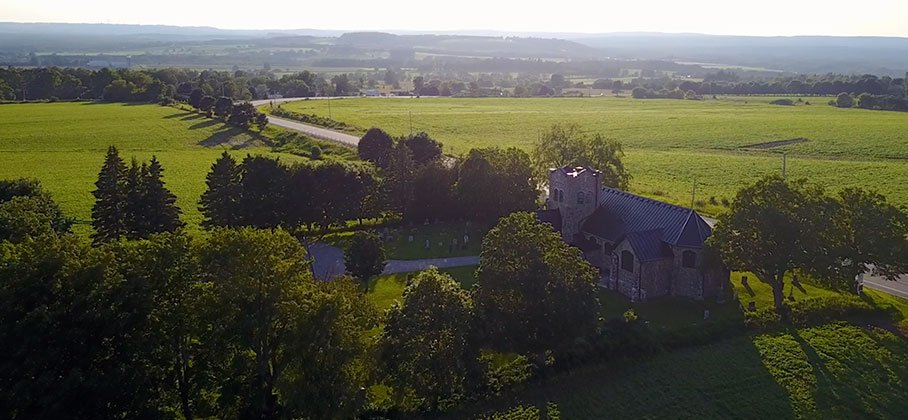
643, 248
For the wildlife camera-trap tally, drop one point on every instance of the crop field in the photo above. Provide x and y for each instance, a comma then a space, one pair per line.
722, 144
63, 145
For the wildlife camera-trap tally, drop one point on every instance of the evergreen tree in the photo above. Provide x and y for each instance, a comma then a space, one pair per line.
219, 201
107, 215
162, 213
135, 205
365, 258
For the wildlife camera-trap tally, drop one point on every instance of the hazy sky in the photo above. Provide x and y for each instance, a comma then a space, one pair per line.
760, 17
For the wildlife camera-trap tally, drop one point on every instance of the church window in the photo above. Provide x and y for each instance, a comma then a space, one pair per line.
627, 261
688, 259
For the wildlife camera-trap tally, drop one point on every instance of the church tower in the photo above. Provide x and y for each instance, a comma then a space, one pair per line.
575, 193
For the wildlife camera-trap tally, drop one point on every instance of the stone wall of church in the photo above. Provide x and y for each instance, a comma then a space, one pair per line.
686, 281
656, 277
627, 282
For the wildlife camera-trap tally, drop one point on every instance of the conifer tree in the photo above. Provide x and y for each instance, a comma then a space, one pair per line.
135, 207
161, 212
107, 215
219, 201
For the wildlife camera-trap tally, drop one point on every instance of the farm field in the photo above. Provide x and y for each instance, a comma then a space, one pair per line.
63, 145
668, 142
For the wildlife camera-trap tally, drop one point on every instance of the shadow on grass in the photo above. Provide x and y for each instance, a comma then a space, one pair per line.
233, 137
726, 379
192, 116
180, 115
204, 124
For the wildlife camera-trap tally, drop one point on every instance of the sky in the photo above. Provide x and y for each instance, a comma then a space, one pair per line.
722, 17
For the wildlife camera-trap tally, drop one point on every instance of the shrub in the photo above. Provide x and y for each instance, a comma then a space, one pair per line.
315, 153
783, 102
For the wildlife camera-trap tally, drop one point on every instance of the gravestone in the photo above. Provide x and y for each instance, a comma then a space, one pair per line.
706, 314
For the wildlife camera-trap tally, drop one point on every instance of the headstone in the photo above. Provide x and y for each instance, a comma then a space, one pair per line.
410, 238
706, 314
427, 245
752, 306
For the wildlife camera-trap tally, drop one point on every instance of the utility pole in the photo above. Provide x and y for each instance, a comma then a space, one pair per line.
784, 165
411, 122
693, 193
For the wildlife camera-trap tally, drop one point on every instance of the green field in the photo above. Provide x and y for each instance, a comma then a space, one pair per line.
63, 145
669, 143
832, 371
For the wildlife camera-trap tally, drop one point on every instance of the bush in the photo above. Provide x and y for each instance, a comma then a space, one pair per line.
315, 153
783, 102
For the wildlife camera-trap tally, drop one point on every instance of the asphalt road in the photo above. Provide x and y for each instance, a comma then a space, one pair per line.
898, 287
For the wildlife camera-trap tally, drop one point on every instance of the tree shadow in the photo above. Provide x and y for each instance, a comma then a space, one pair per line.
204, 124
192, 116
179, 115
850, 388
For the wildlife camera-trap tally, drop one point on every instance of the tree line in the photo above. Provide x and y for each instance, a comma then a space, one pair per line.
162, 85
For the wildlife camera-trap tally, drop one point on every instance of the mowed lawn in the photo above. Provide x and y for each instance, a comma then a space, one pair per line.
63, 145
669, 143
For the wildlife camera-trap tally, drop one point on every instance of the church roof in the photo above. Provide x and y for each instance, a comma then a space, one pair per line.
621, 213
648, 245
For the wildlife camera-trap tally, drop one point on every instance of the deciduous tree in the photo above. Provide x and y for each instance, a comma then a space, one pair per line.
535, 293
365, 257
428, 346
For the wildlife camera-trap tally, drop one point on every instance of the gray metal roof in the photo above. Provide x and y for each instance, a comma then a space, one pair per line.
621, 213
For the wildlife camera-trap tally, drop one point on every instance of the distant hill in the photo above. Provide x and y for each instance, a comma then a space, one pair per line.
803, 54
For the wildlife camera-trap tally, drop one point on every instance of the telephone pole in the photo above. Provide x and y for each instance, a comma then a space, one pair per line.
784, 165
693, 193
411, 122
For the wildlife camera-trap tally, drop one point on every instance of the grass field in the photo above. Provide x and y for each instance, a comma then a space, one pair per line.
669, 143
831, 371
63, 145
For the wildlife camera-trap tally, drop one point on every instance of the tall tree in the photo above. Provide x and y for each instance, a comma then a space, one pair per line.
535, 293
135, 205
263, 191
220, 201
375, 146
272, 323
432, 193
162, 213
424, 148
223, 107
108, 214
398, 178
563, 145
774, 227
874, 236
365, 257
493, 183
436, 310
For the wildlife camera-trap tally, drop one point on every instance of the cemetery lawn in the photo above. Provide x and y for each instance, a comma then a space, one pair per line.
63, 146
669, 143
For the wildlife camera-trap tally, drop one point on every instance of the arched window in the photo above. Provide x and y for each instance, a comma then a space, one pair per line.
627, 261
688, 259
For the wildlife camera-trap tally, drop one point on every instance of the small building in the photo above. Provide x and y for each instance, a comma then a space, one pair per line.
643, 248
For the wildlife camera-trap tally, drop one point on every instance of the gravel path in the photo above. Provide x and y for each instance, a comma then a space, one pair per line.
329, 262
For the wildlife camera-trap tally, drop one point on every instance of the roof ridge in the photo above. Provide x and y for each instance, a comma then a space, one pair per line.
642, 198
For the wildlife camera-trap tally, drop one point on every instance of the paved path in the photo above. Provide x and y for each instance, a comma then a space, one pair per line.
329, 262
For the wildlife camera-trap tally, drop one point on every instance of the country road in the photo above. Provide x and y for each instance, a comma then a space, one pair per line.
307, 129
898, 287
